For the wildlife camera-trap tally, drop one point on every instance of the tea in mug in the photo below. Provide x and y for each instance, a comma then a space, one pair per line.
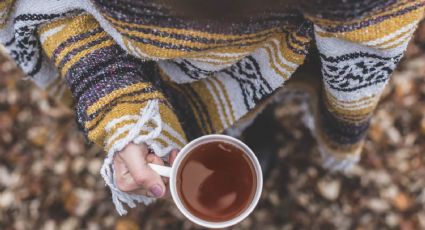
216, 181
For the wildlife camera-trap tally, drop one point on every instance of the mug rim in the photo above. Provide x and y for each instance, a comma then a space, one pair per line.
183, 153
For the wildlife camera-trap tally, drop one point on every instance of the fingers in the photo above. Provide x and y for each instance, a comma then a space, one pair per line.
172, 156
139, 175
123, 178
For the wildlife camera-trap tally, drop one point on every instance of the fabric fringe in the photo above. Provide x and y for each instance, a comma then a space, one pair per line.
148, 114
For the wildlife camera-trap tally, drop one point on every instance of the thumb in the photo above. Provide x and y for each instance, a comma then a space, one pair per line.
144, 176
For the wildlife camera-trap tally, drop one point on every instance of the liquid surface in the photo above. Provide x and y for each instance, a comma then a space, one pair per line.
216, 181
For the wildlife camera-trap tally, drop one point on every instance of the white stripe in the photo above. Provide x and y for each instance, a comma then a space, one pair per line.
216, 61
223, 99
116, 121
119, 131
217, 102
175, 134
404, 38
378, 41
50, 32
277, 62
284, 61
234, 54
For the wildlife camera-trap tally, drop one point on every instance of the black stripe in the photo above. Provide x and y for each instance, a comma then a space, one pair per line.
349, 56
355, 26
75, 51
167, 45
258, 69
111, 106
74, 39
154, 17
183, 110
36, 17
293, 49
91, 64
11, 41
381, 80
93, 80
116, 101
194, 96
339, 131
39, 62
238, 80
185, 37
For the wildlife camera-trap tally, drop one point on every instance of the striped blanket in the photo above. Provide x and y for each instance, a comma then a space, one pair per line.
137, 72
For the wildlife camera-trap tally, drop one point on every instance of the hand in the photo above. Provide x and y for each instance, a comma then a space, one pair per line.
133, 175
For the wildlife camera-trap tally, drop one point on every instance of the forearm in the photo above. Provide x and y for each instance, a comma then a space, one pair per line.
116, 102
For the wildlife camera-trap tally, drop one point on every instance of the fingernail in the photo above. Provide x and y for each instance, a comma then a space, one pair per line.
156, 190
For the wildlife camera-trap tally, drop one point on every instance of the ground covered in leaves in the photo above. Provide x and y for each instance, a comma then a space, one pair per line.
49, 175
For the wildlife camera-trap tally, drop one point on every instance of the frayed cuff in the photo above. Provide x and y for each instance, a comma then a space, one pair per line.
149, 114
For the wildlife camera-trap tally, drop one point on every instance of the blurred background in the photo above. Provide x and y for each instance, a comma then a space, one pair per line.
49, 175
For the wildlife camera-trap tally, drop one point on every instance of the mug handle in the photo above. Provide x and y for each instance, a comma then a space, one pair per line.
161, 170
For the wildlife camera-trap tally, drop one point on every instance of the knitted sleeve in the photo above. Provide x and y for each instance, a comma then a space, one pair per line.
117, 101
359, 50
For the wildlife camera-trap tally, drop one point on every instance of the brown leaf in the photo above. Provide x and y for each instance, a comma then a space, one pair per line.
402, 201
126, 224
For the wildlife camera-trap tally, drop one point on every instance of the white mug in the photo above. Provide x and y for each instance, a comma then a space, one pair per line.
171, 172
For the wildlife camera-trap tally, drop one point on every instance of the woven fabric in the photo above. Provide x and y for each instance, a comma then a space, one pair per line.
139, 73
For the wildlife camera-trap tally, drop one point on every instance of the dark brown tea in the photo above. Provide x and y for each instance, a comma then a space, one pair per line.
216, 181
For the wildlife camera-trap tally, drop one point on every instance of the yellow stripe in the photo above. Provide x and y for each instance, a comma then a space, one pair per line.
115, 94
73, 28
162, 53
192, 33
76, 45
191, 44
123, 100
98, 134
215, 63
164, 134
273, 64
212, 111
348, 104
221, 104
198, 105
393, 39
275, 51
43, 28
396, 44
392, 9
168, 115
353, 113
379, 30
216, 59
288, 54
121, 136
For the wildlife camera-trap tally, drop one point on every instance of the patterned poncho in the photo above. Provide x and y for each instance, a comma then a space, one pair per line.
138, 73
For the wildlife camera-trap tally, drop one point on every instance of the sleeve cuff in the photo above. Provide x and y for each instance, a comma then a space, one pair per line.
143, 128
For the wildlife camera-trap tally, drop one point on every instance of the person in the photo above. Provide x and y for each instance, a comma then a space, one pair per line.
148, 76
